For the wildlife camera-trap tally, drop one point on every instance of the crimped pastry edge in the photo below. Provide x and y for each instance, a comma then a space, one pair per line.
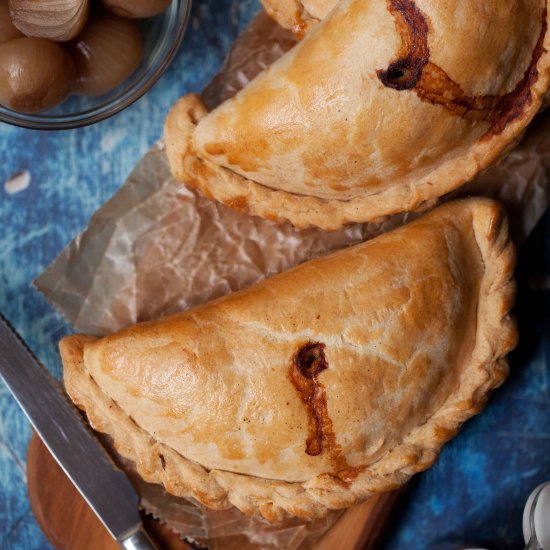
291, 14
249, 196
487, 369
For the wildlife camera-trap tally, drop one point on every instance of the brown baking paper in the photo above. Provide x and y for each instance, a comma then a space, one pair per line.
157, 247
226, 529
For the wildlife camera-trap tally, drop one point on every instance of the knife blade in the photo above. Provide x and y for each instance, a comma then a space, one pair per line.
71, 442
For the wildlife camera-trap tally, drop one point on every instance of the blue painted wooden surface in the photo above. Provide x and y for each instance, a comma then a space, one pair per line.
477, 488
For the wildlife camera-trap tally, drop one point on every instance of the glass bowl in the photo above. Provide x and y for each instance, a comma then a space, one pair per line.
162, 35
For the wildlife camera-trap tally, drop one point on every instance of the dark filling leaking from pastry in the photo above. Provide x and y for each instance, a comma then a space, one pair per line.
306, 365
405, 73
413, 70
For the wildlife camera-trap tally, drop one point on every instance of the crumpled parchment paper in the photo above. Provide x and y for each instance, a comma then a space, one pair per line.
221, 530
157, 247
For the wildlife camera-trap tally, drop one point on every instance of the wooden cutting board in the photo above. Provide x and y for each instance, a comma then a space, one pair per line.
69, 524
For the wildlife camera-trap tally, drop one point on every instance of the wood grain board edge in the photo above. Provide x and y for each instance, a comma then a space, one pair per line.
70, 524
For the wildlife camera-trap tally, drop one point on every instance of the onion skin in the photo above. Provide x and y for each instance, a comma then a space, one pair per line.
8, 31
136, 9
105, 54
57, 20
35, 74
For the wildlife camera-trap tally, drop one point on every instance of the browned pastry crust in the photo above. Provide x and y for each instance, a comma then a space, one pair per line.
384, 107
318, 387
299, 16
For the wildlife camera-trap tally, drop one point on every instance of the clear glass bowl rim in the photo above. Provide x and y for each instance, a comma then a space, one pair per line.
115, 105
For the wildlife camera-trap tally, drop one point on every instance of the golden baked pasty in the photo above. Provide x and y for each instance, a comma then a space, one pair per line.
318, 387
385, 106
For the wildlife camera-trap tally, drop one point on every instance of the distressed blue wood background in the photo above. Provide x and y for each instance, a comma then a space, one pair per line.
476, 490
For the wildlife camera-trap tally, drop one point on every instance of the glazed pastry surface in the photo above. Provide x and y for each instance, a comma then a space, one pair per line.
385, 106
320, 386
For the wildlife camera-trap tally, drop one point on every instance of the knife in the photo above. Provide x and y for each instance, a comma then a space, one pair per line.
71, 442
